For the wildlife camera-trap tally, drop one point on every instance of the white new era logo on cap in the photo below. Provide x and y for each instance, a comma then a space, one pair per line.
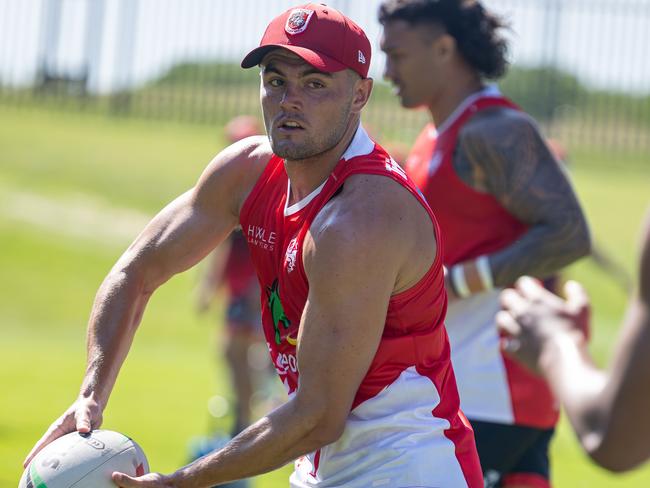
362, 58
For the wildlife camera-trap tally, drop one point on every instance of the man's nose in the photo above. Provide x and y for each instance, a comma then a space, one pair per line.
290, 97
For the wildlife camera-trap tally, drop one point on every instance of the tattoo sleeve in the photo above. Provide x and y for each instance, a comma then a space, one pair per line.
503, 154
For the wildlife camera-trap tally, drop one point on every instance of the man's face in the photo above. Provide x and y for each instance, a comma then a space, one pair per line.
413, 64
306, 111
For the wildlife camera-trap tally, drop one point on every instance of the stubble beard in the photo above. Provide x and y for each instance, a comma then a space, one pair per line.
311, 147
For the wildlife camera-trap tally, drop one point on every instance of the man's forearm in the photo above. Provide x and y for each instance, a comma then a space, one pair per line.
541, 251
538, 253
115, 315
577, 384
281, 437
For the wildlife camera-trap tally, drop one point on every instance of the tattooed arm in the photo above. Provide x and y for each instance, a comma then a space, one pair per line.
501, 152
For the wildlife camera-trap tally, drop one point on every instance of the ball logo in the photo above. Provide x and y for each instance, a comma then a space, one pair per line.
96, 443
298, 20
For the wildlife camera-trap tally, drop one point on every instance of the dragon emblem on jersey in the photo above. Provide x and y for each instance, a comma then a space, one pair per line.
298, 20
290, 256
277, 310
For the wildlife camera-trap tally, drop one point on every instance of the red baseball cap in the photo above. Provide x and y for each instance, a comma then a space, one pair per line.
321, 35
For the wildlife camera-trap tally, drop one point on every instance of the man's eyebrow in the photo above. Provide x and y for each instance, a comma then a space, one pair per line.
314, 71
271, 68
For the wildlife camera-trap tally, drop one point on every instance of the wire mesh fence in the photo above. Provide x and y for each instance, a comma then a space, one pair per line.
581, 67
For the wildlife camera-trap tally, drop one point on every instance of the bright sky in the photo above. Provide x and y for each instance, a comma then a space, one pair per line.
605, 42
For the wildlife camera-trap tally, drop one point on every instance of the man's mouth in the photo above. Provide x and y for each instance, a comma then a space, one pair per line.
289, 125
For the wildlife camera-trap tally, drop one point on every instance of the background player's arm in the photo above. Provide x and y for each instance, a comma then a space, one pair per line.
609, 411
176, 239
502, 153
340, 330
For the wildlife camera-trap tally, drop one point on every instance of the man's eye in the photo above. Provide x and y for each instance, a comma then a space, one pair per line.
316, 84
275, 82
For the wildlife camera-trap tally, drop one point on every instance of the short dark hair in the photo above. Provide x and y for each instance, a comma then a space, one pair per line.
472, 26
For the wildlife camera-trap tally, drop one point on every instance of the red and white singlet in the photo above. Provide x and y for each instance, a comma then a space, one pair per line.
405, 428
492, 387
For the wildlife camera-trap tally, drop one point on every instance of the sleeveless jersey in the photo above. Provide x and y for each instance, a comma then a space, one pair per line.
405, 427
492, 387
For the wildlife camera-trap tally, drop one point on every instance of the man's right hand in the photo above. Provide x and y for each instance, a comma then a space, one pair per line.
84, 415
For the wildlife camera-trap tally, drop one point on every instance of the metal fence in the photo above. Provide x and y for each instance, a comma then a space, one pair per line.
581, 67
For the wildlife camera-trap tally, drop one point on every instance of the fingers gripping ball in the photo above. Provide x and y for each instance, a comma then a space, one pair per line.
85, 461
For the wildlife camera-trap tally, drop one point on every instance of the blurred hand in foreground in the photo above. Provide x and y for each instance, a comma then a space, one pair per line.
532, 316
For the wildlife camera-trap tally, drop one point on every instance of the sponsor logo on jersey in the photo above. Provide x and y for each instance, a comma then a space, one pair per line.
260, 237
285, 363
277, 310
298, 20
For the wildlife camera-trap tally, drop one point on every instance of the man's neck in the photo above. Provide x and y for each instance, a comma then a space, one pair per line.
306, 175
454, 94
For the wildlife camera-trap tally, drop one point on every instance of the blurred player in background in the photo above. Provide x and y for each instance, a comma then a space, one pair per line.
231, 271
505, 208
608, 410
229, 268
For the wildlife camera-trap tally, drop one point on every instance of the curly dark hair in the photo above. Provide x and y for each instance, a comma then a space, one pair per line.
475, 29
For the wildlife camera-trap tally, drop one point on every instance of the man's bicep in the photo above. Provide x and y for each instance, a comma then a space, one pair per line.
343, 320
518, 168
178, 237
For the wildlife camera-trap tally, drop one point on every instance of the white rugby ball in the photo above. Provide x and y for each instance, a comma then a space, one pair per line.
85, 461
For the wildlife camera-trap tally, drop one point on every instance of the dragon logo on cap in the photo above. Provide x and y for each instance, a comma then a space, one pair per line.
298, 20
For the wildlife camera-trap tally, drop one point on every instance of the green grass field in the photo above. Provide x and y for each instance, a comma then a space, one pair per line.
74, 189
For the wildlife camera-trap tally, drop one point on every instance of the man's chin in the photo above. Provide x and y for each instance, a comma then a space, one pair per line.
290, 151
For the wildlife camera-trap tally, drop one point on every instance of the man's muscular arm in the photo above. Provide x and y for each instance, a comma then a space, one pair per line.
502, 153
176, 239
354, 258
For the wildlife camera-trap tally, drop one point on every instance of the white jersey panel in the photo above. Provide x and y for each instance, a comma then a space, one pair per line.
476, 357
391, 440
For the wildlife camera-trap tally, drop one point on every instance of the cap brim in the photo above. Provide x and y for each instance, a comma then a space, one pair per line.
319, 61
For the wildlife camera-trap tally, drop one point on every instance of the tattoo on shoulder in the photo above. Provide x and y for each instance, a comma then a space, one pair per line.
503, 153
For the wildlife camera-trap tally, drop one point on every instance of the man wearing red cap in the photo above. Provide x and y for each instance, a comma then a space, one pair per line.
348, 259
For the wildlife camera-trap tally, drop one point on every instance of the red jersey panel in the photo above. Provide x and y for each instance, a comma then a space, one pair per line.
409, 391
493, 387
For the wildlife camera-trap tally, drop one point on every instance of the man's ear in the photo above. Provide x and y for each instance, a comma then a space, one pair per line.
362, 92
445, 47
